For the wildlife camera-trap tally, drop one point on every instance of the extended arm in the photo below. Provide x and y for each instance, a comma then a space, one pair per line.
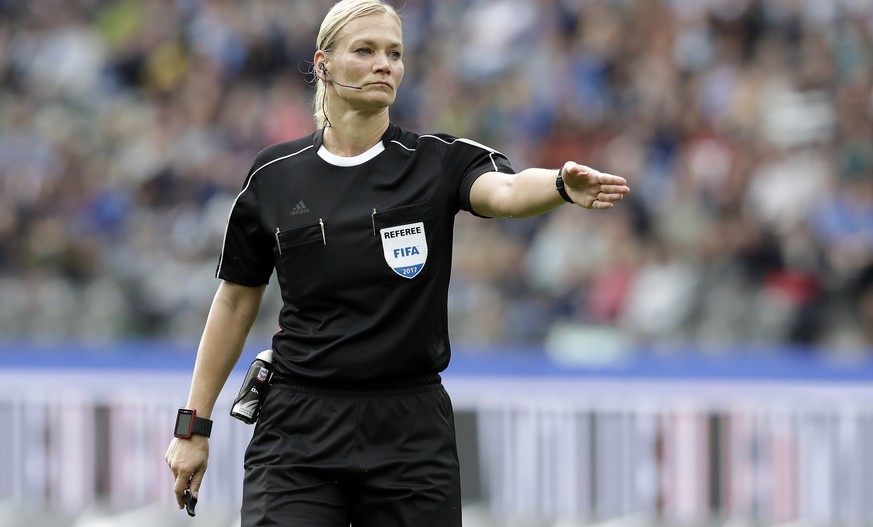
532, 191
234, 309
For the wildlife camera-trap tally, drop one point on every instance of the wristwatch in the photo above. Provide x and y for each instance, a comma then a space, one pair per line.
559, 184
188, 424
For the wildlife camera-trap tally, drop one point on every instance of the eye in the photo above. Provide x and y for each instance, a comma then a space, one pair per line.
394, 55
363, 51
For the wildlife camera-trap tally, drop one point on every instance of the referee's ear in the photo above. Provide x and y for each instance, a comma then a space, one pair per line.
319, 65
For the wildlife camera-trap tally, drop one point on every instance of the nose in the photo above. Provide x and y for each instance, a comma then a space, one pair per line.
382, 65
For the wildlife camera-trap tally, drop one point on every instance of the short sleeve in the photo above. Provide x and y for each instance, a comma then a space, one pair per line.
247, 250
469, 160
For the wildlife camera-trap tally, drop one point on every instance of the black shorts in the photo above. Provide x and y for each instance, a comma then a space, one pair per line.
322, 457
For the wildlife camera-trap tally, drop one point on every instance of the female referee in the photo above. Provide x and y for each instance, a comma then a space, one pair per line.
356, 219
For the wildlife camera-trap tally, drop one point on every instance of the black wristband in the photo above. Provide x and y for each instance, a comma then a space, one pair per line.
559, 184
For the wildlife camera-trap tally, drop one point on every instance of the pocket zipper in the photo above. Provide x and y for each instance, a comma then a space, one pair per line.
373, 216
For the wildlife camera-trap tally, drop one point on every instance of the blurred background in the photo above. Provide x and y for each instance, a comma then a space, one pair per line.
727, 305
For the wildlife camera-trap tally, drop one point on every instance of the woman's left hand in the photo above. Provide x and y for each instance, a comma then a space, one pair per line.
592, 189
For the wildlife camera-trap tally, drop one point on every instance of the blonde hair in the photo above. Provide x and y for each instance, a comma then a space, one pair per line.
336, 19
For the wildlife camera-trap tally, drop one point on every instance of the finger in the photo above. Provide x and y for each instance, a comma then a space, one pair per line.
610, 179
580, 170
609, 197
614, 189
601, 204
179, 489
194, 483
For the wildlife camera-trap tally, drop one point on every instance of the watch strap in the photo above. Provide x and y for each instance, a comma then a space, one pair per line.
201, 426
559, 185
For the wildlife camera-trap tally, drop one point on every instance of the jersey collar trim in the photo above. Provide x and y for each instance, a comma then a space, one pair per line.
354, 161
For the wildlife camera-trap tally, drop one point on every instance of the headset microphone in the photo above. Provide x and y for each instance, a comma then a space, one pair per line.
329, 76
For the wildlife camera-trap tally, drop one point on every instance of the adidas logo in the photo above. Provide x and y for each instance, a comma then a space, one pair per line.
300, 208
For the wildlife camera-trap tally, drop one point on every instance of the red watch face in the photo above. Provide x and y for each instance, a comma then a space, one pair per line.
184, 423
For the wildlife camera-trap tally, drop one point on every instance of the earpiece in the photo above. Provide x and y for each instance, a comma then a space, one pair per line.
322, 67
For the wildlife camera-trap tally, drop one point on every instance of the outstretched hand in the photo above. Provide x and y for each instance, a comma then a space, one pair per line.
592, 189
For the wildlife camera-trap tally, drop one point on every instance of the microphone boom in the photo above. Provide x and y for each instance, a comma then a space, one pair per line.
324, 69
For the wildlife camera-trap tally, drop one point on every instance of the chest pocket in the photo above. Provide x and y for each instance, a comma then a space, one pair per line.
403, 233
295, 237
300, 254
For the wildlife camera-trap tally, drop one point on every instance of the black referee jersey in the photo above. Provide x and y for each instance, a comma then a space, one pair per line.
362, 248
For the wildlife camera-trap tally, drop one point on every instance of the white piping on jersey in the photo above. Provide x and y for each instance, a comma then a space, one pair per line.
273, 161
402, 145
243, 191
463, 140
353, 161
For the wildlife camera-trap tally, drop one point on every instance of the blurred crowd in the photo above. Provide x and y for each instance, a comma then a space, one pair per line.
744, 127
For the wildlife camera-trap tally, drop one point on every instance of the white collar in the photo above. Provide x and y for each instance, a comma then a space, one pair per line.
353, 161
